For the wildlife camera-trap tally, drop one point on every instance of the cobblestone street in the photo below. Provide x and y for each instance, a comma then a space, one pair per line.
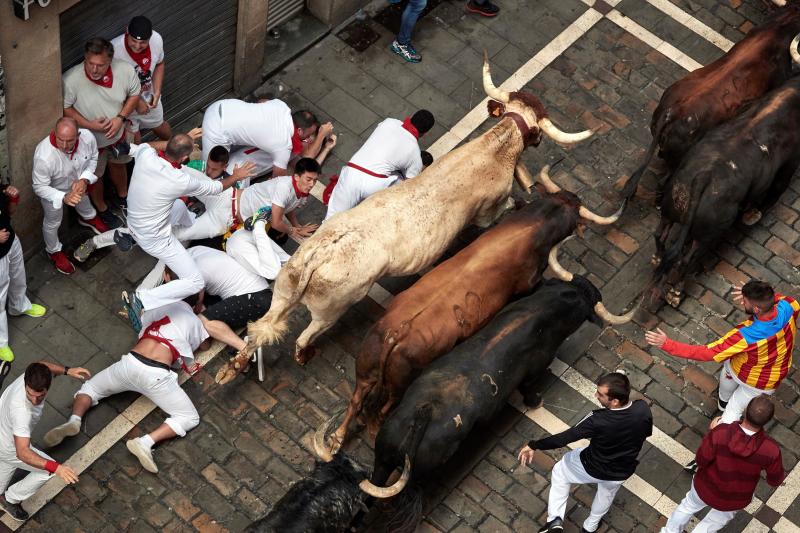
600, 65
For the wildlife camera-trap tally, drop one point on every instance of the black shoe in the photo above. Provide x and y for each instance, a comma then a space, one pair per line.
487, 9
14, 509
109, 219
120, 149
691, 466
262, 214
556, 525
124, 241
721, 405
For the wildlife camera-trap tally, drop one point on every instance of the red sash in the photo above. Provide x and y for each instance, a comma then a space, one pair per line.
365, 171
152, 332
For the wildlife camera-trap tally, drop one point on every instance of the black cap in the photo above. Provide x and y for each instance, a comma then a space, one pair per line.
140, 28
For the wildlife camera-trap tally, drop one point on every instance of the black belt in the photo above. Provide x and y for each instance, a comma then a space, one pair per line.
219, 108
150, 362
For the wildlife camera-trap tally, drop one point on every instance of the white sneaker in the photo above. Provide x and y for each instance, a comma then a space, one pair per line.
144, 454
58, 433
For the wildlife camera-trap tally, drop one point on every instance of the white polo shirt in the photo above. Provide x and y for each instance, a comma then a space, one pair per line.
185, 331
54, 172
390, 150
264, 125
156, 44
155, 185
223, 275
18, 416
278, 191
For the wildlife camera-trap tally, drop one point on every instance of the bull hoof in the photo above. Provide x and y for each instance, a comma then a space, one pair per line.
533, 400
655, 260
306, 354
238, 364
751, 216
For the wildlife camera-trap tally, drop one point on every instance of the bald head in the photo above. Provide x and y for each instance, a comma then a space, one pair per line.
759, 411
178, 147
67, 126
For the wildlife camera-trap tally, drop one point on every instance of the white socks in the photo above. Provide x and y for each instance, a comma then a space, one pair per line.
74, 418
147, 441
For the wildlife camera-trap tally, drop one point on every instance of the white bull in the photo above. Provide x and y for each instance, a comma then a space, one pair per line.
403, 229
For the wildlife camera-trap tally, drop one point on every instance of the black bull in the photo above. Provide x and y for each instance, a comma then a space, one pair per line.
741, 166
469, 385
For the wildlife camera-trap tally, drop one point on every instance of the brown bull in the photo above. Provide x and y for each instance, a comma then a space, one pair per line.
458, 297
716, 93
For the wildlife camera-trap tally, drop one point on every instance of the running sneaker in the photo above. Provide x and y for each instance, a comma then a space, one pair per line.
556, 525
721, 405
133, 307
487, 9
262, 214
111, 220
85, 250
35, 311
6, 354
59, 433
143, 453
14, 509
406, 51
62, 263
123, 240
95, 224
691, 466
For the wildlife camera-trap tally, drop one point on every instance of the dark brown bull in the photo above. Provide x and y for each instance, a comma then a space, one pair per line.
458, 297
716, 93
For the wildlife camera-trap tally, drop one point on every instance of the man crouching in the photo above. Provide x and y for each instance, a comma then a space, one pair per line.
170, 334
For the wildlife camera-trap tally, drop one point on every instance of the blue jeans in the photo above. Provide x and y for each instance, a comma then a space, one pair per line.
410, 15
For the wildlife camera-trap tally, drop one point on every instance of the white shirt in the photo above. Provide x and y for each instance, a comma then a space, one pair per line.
265, 125
185, 331
156, 44
18, 416
278, 191
390, 150
223, 275
155, 185
54, 172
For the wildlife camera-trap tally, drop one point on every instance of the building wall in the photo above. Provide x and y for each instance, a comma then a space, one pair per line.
3, 138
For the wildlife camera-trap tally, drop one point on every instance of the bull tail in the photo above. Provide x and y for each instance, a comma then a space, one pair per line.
271, 328
672, 253
633, 183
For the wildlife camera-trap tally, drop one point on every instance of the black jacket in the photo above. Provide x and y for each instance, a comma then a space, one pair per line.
617, 436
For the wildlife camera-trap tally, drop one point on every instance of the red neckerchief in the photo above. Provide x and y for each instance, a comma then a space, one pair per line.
297, 143
74, 148
164, 157
106, 81
297, 191
771, 316
142, 58
410, 128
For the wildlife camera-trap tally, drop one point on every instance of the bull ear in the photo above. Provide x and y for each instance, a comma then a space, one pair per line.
496, 108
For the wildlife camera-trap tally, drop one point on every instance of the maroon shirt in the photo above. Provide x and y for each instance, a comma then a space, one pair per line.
729, 465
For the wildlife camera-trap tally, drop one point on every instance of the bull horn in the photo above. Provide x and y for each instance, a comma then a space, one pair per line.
597, 219
544, 178
559, 136
552, 260
524, 177
793, 49
320, 449
612, 319
388, 492
488, 84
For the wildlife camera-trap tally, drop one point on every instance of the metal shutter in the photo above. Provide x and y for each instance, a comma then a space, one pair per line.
282, 10
199, 44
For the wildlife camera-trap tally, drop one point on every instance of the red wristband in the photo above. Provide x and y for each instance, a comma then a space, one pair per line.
51, 466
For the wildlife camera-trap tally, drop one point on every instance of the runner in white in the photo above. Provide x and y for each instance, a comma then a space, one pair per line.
390, 154
269, 126
170, 335
63, 167
275, 202
143, 48
158, 180
21, 407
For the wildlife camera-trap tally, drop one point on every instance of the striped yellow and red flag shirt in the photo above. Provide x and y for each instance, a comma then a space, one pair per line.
760, 350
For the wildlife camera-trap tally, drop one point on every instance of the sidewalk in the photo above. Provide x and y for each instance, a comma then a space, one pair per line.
253, 440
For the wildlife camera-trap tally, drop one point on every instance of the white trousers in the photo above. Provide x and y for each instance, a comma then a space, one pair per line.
52, 217
216, 220
175, 256
158, 384
736, 393
689, 506
570, 470
25, 487
213, 131
353, 188
255, 251
12, 287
